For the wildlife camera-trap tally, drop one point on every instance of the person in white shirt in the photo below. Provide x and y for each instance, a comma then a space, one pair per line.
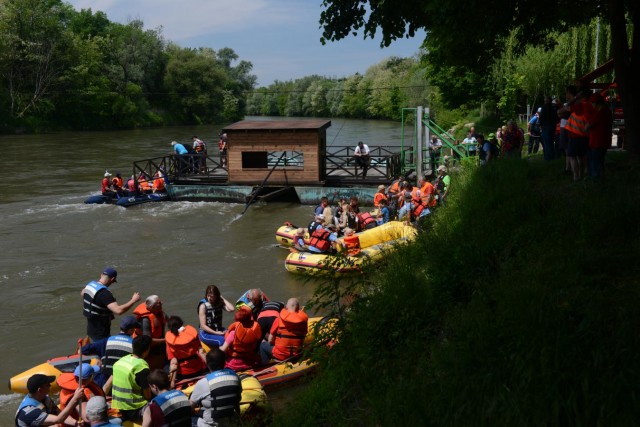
362, 157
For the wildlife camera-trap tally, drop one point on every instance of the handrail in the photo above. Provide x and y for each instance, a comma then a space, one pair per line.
446, 138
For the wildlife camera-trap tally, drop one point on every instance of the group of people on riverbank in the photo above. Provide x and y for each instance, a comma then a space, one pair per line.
580, 130
154, 351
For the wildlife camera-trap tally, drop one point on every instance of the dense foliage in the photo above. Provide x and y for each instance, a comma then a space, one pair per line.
464, 36
60, 68
517, 306
380, 93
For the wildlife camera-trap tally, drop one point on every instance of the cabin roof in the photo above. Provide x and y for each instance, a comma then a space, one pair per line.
248, 125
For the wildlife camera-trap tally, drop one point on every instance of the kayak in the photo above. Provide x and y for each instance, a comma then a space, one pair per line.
374, 244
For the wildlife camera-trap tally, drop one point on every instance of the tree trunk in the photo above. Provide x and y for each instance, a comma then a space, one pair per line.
627, 68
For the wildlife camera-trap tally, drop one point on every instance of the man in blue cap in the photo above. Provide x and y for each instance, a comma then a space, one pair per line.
100, 306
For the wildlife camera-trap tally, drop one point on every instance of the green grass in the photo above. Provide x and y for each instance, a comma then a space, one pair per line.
517, 306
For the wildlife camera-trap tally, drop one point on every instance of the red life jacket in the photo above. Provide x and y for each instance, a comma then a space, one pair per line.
365, 220
290, 334
320, 239
576, 125
246, 340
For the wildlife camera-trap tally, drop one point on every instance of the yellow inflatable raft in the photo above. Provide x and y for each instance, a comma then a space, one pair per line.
374, 243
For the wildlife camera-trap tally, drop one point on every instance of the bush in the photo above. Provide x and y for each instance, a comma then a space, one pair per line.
517, 306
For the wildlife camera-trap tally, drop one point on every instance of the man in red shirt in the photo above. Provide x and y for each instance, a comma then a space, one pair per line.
599, 125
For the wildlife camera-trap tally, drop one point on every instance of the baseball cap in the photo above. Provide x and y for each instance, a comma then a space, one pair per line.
111, 272
96, 406
87, 371
38, 380
442, 168
106, 173
128, 322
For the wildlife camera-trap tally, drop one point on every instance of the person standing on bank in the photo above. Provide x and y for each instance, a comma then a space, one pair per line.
99, 305
362, 156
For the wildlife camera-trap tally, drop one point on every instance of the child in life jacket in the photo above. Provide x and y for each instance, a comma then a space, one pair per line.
351, 242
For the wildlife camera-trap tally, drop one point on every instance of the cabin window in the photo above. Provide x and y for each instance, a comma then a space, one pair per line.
268, 159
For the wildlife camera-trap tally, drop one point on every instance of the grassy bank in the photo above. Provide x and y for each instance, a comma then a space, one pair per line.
518, 306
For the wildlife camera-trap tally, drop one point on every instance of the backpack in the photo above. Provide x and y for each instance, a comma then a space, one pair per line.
535, 127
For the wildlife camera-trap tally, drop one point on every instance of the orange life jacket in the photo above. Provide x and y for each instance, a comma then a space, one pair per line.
377, 198
157, 322
419, 207
158, 183
290, 334
352, 244
577, 125
395, 187
144, 184
425, 192
185, 347
68, 385
246, 340
222, 145
117, 183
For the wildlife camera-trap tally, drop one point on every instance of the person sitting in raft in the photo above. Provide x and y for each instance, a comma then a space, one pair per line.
366, 221
351, 242
298, 240
112, 349
210, 309
69, 382
287, 334
269, 313
168, 407
153, 319
383, 212
106, 185
380, 195
254, 299
322, 240
186, 357
143, 183
158, 183
241, 341
118, 184
38, 409
98, 412
218, 394
318, 220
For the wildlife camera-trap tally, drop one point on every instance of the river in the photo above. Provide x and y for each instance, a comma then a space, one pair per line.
52, 244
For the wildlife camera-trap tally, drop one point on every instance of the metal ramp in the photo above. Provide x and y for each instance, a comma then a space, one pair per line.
415, 142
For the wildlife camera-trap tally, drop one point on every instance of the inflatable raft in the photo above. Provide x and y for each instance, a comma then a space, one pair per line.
254, 399
126, 201
374, 243
276, 373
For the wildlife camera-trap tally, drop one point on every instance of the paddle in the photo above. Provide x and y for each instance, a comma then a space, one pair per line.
80, 380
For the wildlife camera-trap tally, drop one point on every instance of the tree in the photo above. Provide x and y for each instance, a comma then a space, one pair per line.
449, 41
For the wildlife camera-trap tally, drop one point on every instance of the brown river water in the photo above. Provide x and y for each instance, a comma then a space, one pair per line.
51, 244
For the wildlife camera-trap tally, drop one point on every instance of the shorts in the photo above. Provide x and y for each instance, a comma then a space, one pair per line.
577, 147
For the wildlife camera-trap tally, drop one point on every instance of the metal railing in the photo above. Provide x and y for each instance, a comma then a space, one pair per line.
341, 163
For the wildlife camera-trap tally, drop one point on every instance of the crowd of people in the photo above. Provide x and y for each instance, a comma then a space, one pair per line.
116, 187
193, 157
400, 200
580, 130
141, 366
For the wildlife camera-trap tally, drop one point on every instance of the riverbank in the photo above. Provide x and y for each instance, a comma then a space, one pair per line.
518, 306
